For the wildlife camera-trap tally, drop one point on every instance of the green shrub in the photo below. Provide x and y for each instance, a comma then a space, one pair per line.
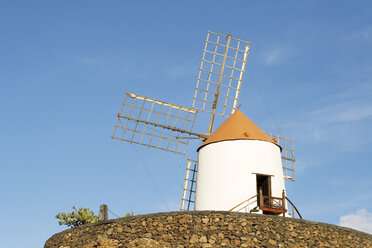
77, 217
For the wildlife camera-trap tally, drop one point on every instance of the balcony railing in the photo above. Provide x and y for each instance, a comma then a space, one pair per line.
267, 204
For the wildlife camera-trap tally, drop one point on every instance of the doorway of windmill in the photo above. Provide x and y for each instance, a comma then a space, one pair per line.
264, 183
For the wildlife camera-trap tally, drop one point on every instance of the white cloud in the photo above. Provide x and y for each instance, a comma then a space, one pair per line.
361, 220
347, 118
365, 33
360, 34
79, 59
344, 112
275, 56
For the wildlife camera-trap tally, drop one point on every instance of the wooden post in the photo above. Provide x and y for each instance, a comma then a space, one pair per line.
103, 213
283, 202
261, 199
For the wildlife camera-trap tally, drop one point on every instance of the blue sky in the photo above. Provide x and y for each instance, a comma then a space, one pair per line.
66, 65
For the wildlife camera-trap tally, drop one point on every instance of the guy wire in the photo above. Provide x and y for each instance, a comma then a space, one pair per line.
152, 179
267, 107
113, 213
172, 74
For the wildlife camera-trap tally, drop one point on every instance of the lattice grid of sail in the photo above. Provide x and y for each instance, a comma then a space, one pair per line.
154, 123
188, 196
221, 72
288, 159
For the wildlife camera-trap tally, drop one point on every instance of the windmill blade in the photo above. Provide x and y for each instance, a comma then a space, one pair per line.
220, 75
288, 159
154, 123
189, 187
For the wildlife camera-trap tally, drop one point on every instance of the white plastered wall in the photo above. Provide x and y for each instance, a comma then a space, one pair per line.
227, 172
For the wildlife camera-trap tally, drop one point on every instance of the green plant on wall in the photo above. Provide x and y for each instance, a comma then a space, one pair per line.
77, 217
129, 214
80, 217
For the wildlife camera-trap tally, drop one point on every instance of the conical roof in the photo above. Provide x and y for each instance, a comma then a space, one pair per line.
238, 127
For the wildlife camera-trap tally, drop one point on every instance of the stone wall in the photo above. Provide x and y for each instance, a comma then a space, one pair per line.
208, 229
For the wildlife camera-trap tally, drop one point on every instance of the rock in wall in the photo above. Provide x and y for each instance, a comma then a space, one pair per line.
208, 229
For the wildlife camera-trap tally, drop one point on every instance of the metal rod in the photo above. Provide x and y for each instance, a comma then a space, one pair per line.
294, 207
210, 128
161, 102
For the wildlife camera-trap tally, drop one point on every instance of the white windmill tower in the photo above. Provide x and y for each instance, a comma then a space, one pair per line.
239, 166
235, 163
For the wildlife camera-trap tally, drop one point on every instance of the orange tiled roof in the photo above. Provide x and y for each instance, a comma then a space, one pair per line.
237, 127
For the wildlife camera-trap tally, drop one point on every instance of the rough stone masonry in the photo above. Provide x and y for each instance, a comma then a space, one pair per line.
208, 229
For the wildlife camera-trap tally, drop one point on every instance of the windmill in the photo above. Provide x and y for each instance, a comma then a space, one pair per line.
169, 127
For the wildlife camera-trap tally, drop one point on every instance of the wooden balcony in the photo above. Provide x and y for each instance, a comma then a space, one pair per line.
268, 205
272, 205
